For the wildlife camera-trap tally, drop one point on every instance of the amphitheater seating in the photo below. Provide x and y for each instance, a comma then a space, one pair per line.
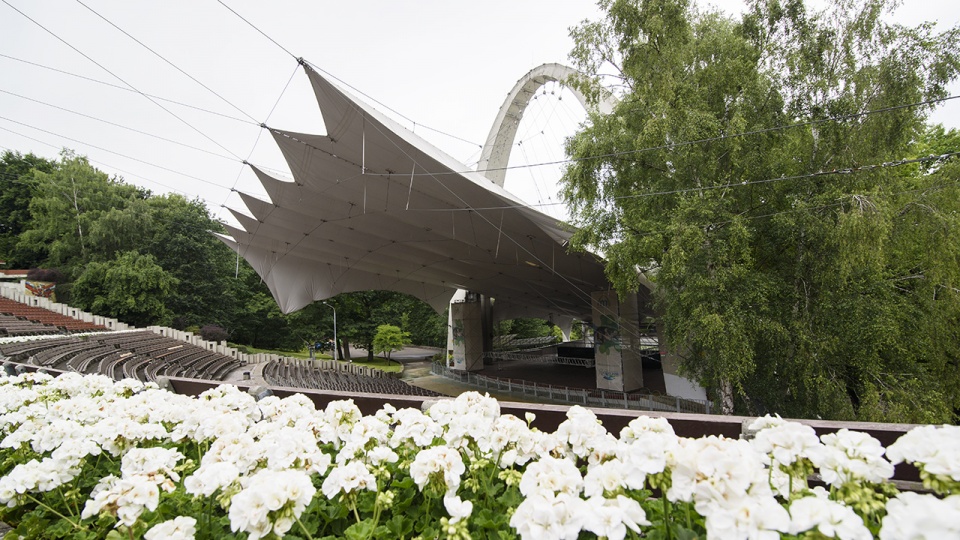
82, 361
61, 354
18, 351
141, 355
303, 375
11, 326
47, 317
146, 356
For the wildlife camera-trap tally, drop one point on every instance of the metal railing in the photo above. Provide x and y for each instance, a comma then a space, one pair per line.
578, 396
539, 358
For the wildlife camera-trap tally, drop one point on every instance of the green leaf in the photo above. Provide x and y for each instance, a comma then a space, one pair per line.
59, 528
682, 533
399, 526
359, 531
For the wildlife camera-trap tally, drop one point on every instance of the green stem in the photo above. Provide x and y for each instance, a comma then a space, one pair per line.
666, 516
302, 528
376, 511
41, 503
353, 506
208, 513
75, 511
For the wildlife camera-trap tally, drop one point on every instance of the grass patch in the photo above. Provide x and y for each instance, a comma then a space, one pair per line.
253, 350
379, 363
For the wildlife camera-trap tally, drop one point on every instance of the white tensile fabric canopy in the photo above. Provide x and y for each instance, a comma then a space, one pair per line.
374, 206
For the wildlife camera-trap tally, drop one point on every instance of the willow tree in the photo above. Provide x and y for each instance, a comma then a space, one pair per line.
752, 170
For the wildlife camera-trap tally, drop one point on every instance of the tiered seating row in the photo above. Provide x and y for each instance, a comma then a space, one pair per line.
11, 325
303, 375
138, 355
146, 356
46, 317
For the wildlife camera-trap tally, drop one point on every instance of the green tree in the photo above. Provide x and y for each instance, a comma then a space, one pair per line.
361, 312
17, 189
389, 338
183, 245
782, 289
130, 288
256, 320
524, 328
66, 204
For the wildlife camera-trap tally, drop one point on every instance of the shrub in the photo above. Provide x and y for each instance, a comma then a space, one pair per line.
213, 332
45, 274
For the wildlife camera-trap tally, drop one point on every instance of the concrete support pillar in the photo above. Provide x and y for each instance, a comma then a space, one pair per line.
676, 384
486, 323
617, 337
566, 325
465, 346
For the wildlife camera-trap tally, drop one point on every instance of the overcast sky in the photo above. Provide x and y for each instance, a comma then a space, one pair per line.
442, 64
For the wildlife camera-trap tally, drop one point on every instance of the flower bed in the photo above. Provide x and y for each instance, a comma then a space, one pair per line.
86, 457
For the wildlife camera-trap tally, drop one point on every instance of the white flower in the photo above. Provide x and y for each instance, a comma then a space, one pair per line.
935, 448
912, 516
270, 502
284, 447
604, 477
788, 442
643, 456
582, 431
125, 498
513, 440
645, 426
611, 517
207, 479
340, 416
713, 469
178, 528
381, 454
157, 463
37, 476
347, 478
549, 476
548, 516
850, 456
415, 427
240, 450
765, 422
457, 508
747, 517
468, 418
438, 462
830, 518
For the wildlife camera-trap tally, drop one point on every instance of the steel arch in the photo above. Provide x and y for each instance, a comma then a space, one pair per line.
496, 150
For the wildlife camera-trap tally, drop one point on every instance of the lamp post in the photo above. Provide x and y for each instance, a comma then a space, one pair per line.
336, 343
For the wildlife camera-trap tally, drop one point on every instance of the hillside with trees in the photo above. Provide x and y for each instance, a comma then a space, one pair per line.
772, 175
120, 251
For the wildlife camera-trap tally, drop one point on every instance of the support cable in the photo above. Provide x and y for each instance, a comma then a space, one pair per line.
171, 64
114, 124
126, 89
670, 146
264, 34
101, 66
161, 167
